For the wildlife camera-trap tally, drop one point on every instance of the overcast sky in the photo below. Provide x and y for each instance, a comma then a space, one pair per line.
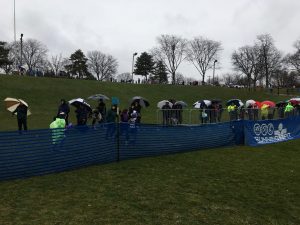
120, 27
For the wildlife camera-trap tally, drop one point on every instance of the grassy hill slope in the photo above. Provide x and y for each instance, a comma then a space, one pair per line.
44, 94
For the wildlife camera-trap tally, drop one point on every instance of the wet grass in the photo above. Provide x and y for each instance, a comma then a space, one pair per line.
238, 185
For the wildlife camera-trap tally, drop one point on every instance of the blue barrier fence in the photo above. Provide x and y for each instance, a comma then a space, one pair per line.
39, 152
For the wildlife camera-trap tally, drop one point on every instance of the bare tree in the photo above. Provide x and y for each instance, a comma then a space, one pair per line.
171, 51
244, 61
179, 78
34, 54
126, 77
203, 52
56, 64
293, 60
101, 65
271, 57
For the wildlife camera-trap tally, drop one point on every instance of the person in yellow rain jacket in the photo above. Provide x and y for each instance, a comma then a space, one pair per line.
288, 110
264, 111
57, 126
232, 110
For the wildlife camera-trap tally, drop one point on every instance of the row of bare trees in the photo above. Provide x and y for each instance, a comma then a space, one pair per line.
35, 58
263, 63
259, 63
173, 50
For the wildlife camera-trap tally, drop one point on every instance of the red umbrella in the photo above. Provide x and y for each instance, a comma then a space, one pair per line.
294, 102
269, 103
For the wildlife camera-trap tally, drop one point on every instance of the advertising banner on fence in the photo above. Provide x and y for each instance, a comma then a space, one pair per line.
271, 131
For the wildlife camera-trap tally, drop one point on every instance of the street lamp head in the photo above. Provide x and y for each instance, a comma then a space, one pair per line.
134, 54
21, 35
215, 61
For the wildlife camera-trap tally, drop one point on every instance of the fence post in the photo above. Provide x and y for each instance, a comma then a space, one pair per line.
118, 139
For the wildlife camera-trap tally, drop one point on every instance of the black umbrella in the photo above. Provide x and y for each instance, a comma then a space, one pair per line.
76, 102
236, 102
216, 101
281, 104
142, 101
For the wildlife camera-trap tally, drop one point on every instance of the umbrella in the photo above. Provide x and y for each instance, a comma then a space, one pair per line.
12, 103
236, 102
269, 103
142, 101
162, 103
80, 101
296, 98
216, 101
98, 97
281, 104
252, 102
294, 101
202, 104
182, 103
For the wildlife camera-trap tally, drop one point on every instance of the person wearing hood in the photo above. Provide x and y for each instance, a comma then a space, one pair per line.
64, 107
288, 110
57, 126
21, 112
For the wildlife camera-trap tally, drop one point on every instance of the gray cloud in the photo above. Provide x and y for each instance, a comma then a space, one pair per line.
121, 27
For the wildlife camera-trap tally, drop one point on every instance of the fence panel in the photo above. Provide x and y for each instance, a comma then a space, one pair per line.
40, 152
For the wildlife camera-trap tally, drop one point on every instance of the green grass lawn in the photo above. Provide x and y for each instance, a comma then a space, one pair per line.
238, 185
44, 94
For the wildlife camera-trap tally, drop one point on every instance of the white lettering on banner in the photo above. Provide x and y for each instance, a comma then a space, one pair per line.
266, 133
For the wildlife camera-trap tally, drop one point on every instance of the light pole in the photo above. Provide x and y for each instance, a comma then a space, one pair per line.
214, 71
21, 42
15, 20
134, 54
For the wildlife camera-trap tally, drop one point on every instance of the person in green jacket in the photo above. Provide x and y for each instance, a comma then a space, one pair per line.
288, 110
57, 126
111, 116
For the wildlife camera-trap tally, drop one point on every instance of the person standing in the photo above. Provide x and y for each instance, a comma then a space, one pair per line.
166, 113
21, 112
135, 106
288, 111
81, 115
111, 117
57, 126
64, 107
232, 110
102, 110
264, 111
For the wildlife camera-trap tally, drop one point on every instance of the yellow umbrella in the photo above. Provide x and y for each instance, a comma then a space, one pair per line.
12, 103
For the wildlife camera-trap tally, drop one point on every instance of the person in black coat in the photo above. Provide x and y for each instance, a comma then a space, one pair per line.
64, 108
21, 111
102, 110
81, 115
166, 113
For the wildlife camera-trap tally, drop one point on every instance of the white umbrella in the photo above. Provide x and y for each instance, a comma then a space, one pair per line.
162, 103
201, 104
12, 103
98, 97
250, 103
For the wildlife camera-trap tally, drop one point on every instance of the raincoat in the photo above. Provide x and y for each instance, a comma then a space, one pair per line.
264, 111
289, 108
58, 132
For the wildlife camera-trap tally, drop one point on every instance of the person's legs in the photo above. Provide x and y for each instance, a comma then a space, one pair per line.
20, 125
25, 123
